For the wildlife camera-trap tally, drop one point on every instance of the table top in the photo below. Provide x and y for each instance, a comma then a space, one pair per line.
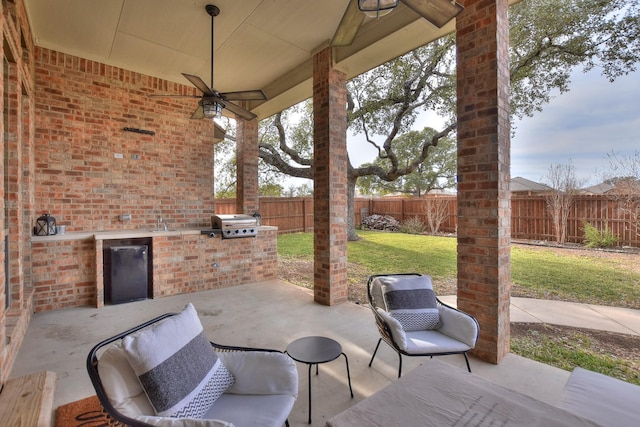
314, 350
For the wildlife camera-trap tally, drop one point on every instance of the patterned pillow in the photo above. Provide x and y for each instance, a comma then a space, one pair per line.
412, 302
177, 367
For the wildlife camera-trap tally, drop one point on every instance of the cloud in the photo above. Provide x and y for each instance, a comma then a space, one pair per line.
594, 118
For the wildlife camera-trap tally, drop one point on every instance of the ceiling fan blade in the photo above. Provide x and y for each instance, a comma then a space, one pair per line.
349, 25
198, 114
236, 109
199, 83
245, 95
438, 12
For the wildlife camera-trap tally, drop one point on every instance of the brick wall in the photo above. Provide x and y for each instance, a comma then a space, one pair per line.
81, 110
184, 264
69, 273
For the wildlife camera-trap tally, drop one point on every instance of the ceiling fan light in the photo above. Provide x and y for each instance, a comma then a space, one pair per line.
212, 110
376, 8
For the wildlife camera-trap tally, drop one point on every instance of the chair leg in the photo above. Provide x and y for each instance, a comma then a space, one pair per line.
466, 359
286, 422
375, 351
399, 365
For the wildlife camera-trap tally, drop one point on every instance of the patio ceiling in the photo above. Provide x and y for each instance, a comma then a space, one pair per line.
259, 44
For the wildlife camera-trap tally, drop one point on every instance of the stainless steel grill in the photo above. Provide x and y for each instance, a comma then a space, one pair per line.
233, 226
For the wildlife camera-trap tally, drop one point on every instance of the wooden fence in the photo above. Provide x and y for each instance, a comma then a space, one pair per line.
530, 217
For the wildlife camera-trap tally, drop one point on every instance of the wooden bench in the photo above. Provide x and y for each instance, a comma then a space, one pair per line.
28, 400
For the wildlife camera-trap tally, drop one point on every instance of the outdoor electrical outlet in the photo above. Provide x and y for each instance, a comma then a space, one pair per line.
135, 156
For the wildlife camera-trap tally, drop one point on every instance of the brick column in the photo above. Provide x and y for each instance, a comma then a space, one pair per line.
484, 229
247, 166
330, 180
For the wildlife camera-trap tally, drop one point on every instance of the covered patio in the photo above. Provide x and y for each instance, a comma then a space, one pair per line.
262, 314
77, 80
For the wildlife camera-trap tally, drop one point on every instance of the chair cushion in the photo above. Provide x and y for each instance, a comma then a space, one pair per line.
605, 400
397, 333
181, 422
121, 384
412, 302
433, 342
176, 365
261, 372
265, 410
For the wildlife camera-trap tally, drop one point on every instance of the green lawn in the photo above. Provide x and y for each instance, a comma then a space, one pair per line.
536, 272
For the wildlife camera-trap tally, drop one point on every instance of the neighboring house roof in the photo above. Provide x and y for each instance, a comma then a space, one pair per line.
602, 188
519, 184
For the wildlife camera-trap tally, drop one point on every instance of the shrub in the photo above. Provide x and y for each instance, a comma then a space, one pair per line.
412, 226
594, 238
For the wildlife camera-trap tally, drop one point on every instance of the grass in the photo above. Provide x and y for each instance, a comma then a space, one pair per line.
575, 278
572, 348
539, 273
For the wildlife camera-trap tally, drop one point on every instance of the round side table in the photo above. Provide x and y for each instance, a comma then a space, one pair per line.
316, 350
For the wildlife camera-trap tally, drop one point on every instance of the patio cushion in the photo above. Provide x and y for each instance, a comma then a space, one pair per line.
412, 302
266, 410
182, 422
177, 367
432, 341
121, 383
261, 373
605, 400
397, 333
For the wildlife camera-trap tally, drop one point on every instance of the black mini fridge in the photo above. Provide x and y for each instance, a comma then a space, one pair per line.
128, 278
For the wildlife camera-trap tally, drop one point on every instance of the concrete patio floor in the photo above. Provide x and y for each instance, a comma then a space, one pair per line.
265, 314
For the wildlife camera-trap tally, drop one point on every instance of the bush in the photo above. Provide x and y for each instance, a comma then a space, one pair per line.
594, 238
412, 226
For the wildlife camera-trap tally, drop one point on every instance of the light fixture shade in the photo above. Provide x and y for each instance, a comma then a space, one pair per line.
376, 8
211, 109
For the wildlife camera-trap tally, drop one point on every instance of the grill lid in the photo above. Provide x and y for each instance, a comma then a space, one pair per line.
235, 225
233, 220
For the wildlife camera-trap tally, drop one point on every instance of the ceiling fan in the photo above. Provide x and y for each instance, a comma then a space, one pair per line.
438, 12
212, 102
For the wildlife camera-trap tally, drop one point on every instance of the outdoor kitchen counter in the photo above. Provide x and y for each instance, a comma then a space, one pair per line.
68, 269
122, 234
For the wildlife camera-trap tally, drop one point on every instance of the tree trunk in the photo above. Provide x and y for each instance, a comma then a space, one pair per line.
351, 213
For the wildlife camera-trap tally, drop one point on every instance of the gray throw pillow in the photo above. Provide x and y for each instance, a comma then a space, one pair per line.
412, 302
177, 367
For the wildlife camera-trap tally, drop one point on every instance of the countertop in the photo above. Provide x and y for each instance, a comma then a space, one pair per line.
122, 234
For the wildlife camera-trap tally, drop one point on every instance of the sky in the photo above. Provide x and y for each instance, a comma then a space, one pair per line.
578, 127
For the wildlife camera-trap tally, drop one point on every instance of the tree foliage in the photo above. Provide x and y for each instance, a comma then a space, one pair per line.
549, 38
436, 172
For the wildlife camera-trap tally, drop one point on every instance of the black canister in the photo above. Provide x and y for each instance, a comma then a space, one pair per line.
45, 225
